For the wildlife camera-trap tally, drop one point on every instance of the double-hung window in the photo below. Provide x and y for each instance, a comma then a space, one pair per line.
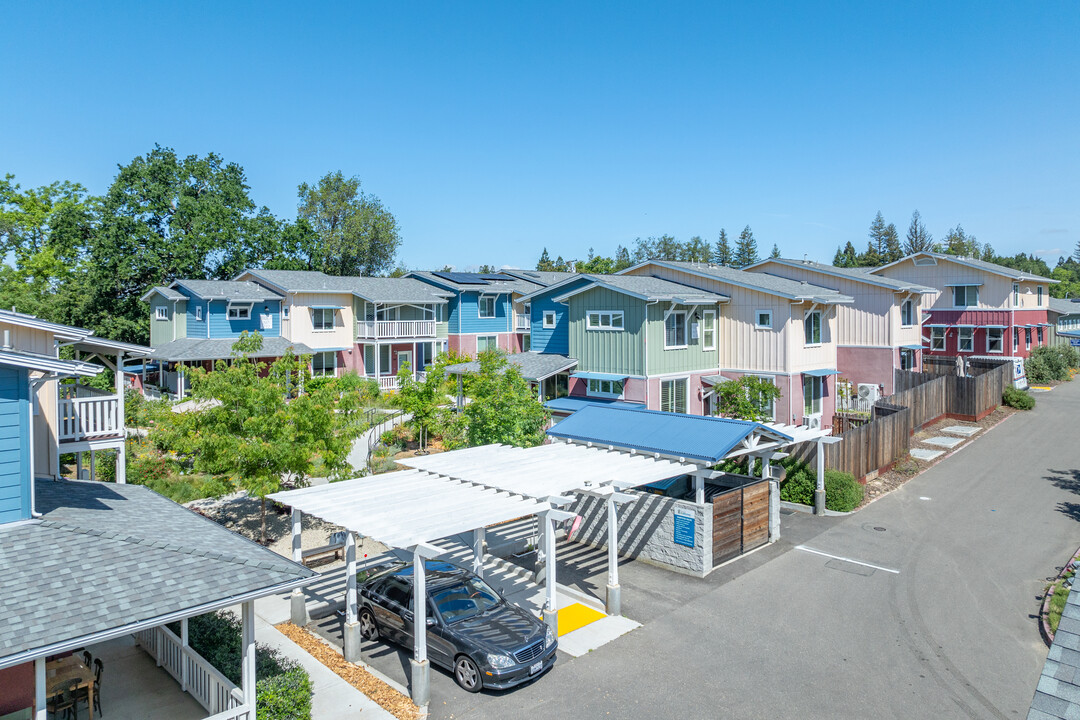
1016, 294
1027, 338
239, 313
161, 312
965, 296
1039, 294
604, 320
673, 395
937, 338
1016, 338
322, 318
811, 395
765, 404
675, 330
549, 318
812, 327
907, 313
486, 306
708, 330
606, 388
995, 340
324, 364
966, 340
907, 359
1040, 332
484, 343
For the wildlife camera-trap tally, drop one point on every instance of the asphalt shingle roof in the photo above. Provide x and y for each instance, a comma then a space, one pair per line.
1065, 307
533, 365
544, 277
861, 273
1057, 696
765, 282
104, 556
982, 265
192, 349
167, 293
653, 288
509, 285
227, 289
374, 289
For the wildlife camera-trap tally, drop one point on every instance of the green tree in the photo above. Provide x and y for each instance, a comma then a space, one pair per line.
918, 239
695, 250
892, 250
846, 256
504, 409
958, 242
878, 235
596, 264
356, 234
544, 263
722, 254
746, 252
622, 258
775, 251
747, 398
870, 258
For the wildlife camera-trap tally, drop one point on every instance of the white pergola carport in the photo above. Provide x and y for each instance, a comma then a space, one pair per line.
822, 437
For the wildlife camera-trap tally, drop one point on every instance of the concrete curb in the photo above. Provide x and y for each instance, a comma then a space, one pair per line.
1044, 612
799, 507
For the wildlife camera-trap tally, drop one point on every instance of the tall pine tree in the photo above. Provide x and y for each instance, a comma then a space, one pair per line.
775, 251
918, 239
892, 249
723, 256
544, 263
845, 257
746, 248
878, 235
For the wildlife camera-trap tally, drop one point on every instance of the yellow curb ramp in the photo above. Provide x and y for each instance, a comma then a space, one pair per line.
577, 616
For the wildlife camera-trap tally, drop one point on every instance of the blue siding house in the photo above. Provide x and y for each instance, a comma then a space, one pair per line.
14, 445
548, 319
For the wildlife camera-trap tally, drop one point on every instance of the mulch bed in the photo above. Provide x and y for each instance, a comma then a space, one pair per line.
390, 699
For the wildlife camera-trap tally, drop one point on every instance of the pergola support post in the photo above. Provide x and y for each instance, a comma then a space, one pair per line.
121, 452
184, 645
247, 665
352, 635
479, 536
613, 604
819, 491
298, 613
40, 694
421, 671
551, 614
699, 489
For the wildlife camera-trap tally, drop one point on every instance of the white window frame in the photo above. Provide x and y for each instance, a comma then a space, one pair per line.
1016, 338
674, 330
772, 401
198, 313
757, 319
1027, 338
161, 312
605, 388
965, 344
549, 319
284, 312
1039, 295
1016, 294
1039, 335
937, 334
808, 329
1000, 340
240, 312
481, 302
323, 371
708, 334
907, 353
318, 318
909, 304
967, 296
493, 339
672, 395
817, 395
604, 320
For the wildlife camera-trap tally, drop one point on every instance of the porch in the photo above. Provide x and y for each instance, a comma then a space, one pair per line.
87, 413
133, 686
394, 329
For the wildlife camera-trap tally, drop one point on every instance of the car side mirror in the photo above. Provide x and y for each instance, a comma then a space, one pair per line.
431, 622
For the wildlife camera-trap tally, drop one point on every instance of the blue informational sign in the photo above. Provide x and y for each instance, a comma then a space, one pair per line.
1075, 342
684, 529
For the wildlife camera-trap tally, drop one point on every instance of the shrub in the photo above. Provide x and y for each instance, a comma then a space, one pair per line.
1047, 364
284, 697
843, 493
1017, 399
146, 468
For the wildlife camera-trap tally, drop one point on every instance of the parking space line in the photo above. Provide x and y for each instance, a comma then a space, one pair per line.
845, 559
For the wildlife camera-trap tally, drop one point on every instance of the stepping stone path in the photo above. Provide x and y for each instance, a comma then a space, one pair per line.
945, 442
924, 454
965, 430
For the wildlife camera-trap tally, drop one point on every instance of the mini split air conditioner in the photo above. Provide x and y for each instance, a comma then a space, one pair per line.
813, 422
869, 392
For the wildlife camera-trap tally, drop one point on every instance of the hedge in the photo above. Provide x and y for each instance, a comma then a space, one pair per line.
842, 492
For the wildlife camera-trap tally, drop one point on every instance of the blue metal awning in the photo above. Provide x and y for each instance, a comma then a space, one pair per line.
326, 307
821, 373
663, 484
573, 404
600, 376
911, 347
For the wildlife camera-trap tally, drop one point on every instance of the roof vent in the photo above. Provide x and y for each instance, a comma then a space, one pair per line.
7, 340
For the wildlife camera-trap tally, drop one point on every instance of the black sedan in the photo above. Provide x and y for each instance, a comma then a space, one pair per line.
472, 631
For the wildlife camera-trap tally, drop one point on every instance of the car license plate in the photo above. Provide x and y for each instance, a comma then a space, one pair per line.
536, 667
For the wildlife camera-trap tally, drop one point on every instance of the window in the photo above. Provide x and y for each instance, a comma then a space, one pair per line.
1039, 294
285, 312
1027, 338
526, 343
198, 313
994, 340
675, 330
907, 313
487, 342
398, 592
763, 319
907, 359
549, 318
708, 330
324, 364
1016, 294
239, 313
937, 338
486, 306
611, 388
965, 296
604, 320
1039, 331
765, 405
369, 360
811, 395
812, 327
322, 318
161, 312
966, 340
1016, 338
384, 360
673, 395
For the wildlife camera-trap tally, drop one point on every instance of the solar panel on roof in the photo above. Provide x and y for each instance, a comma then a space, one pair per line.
461, 278
486, 276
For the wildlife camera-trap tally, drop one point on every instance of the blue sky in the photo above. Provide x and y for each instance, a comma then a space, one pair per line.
493, 130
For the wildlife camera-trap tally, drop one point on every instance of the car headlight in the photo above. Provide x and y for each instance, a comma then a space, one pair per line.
549, 638
500, 661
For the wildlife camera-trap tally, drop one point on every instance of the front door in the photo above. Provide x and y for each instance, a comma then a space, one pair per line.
405, 356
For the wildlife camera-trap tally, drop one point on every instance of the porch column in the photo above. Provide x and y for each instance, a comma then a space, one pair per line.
40, 712
93, 464
819, 492
551, 613
460, 394
298, 614
78, 466
478, 551
613, 604
247, 665
184, 654
352, 626
121, 421
421, 671
180, 380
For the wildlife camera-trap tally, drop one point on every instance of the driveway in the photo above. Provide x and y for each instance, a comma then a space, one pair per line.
918, 606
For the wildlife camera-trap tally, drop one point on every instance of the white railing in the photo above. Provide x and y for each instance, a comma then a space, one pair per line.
222, 699
88, 417
388, 382
521, 322
70, 391
379, 329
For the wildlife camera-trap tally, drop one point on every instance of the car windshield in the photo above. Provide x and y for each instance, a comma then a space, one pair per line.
471, 597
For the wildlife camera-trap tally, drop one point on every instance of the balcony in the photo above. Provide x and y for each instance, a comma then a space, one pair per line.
390, 382
394, 329
521, 323
85, 413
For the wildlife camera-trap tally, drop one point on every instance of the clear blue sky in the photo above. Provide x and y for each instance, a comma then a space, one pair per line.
493, 130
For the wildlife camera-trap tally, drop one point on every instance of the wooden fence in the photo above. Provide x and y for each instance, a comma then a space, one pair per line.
921, 399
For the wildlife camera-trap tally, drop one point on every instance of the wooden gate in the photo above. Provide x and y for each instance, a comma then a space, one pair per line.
740, 521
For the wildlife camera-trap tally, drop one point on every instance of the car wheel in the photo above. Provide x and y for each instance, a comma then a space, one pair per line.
467, 674
368, 629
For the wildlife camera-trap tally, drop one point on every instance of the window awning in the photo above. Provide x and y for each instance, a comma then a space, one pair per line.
911, 347
714, 379
821, 373
327, 307
963, 284
573, 404
600, 376
994, 327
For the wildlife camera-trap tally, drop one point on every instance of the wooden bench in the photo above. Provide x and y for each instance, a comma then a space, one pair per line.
319, 554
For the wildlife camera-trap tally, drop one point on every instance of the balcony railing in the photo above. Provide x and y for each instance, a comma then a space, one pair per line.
521, 322
390, 382
391, 329
84, 412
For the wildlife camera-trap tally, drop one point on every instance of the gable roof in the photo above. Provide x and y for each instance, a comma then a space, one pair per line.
403, 290
761, 282
484, 283
166, 292
544, 277
532, 365
1064, 306
193, 349
64, 332
142, 561
972, 263
857, 274
226, 290
556, 286
650, 289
